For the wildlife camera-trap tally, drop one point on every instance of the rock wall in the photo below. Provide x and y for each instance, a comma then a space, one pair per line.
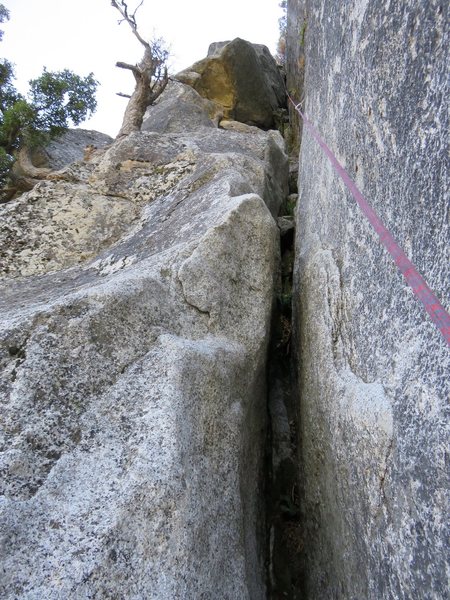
135, 310
69, 148
373, 383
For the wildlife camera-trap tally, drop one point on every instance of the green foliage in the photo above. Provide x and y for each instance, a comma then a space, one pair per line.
303, 34
60, 99
282, 24
288, 207
6, 161
56, 100
282, 21
4, 16
17, 125
8, 93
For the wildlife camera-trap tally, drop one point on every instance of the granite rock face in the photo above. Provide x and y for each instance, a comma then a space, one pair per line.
70, 147
181, 108
133, 372
372, 369
242, 78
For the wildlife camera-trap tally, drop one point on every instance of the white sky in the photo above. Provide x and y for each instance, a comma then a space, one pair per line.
84, 36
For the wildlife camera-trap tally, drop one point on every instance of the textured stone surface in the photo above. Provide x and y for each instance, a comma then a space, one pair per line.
69, 148
242, 78
181, 108
65, 222
133, 380
296, 29
373, 370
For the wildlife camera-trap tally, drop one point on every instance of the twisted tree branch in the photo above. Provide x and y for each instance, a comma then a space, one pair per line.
124, 65
122, 7
150, 74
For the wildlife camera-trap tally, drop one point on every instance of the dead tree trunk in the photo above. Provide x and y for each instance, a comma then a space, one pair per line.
150, 75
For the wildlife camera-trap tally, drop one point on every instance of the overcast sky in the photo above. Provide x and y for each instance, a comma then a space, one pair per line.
84, 36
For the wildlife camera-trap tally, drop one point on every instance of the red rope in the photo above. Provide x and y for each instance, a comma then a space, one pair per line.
437, 313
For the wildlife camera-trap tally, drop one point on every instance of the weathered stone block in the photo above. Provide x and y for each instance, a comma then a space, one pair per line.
241, 77
132, 369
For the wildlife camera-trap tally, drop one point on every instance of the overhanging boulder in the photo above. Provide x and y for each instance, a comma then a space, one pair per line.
243, 78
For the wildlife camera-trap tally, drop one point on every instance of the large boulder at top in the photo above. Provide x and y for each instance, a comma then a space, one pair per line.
135, 312
243, 78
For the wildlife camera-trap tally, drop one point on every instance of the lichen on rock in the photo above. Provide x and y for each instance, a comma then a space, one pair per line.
135, 311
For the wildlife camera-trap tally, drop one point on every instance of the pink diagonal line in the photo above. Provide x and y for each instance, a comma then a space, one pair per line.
434, 308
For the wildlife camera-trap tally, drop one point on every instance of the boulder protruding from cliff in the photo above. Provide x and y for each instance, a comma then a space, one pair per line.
241, 77
137, 290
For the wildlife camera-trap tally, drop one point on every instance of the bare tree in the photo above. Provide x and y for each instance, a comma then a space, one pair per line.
150, 74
